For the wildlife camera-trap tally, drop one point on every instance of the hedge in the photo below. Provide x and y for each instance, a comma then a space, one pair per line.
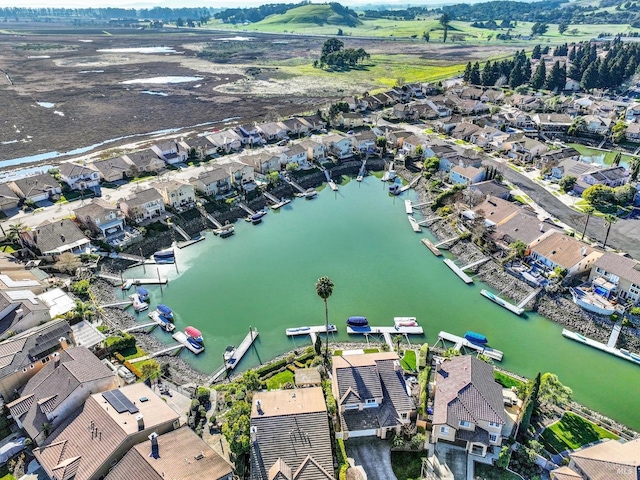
422, 356
307, 356
271, 367
133, 369
123, 342
341, 453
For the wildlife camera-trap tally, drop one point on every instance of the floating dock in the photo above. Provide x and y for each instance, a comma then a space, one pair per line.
386, 332
621, 353
500, 301
181, 338
275, 202
460, 342
166, 326
429, 244
362, 171
408, 207
150, 281
242, 349
458, 271
410, 185
414, 224
311, 331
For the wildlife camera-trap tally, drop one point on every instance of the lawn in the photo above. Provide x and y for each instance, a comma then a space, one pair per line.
507, 381
7, 249
279, 380
409, 361
490, 472
407, 465
609, 155
133, 352
572, 432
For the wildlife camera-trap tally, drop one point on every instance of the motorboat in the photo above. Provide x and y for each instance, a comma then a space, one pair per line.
164, 256
165, 324
138, 305
357, 321
591, 301
165, 312
405, 321
197, 346
127, 284
310, 193
143, 294
394, 189
256, 217
475, 338
194, 334
297, 330
229, 352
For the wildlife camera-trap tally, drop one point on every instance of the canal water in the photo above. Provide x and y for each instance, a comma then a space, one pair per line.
264, 277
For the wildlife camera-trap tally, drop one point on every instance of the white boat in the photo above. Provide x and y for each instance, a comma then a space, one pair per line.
405, 321
592, 302
127, 284
164, 256
138, 305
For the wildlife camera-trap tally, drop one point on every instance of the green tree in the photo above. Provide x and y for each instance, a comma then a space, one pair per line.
530, 406
68, 263
426, 36
599, 196
567, 182
466, 76
150, 370
619, 131
537, 81
15, 231
317, 346
624, 194
552, 392
445, 20
536, 53
251, 381
634, 168
562, 27
324, 289
331, 45
397, 339
474, 77
82, 311
236, 428
519, 248
588, 211
608, 221
578, 124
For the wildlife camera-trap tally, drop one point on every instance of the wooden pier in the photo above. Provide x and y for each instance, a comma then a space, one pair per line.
150, 281
529, 297
411, 184
242, 349
408, 207
246, 209
461, 342
331, 183
311, 331
621, 353
615, 333
141, 326
429, 244
275, 203
458, 271
172, 349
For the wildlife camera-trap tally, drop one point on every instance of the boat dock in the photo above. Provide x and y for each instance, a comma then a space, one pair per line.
386, 332
502, 302
181, 338
362, 171
621, 353
246, 209
529, 297
155, 316
429, 244
389, 174
411, 184
408, 207
180, 230
414, 224
275, 203
242, 349
188, 243
117, 304
615, 333
444, 242
311, 331
458, 271
460, 342
135, 281
332, 184
141, 326
164, 351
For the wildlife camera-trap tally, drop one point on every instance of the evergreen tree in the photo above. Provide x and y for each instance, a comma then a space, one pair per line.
538, 79
537, 52
467, 73
589, 78
572, 53
487, 78
475, 74
554, 77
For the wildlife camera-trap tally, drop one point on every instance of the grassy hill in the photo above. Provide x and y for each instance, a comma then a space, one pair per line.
313, 14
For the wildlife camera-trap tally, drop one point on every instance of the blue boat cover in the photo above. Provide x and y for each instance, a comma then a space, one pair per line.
163, 309
476, 338
357, 321
142, 291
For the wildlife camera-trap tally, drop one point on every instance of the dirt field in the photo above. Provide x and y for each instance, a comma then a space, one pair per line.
91, 104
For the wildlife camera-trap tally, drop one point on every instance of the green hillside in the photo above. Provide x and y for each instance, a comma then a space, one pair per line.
314, 14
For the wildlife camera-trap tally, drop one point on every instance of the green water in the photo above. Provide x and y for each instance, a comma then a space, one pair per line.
264, 277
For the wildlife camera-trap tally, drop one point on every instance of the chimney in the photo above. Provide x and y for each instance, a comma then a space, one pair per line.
259, 407
583, 251
155, 449
140, 420
63, 343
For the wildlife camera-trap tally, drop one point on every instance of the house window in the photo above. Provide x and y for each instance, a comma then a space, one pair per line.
494, 424
493, 438
45, 360
464, 423
370, 402
444, 430
404, 416
351, 407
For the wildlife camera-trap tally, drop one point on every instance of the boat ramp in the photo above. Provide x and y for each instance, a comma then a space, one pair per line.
311, 331
460, 342
429, 244
386, 332
608, 348
275, 203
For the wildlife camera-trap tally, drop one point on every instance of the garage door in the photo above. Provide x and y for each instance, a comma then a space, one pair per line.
363, 433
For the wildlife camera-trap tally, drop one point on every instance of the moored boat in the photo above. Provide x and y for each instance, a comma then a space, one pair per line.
197, 346
164, 256
592, 302
143, 294
405, 321
127, 284
165, 312
165, 324
357, 321
228, 353
394, 189
138, 305
194, 334
476, 338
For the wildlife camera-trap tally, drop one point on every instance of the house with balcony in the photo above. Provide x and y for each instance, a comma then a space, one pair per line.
606, 460
176, 193
348, 120
290, 436
145, 161
36, 188
226, 141
214, 182
143, 205
555, 249
466, 175
412, 144
524, 148
170, 151
371, 394
59, 389
26, 353
315, 150
365, 141
113, 169
103, 219
294, 154
296, 127
9, 199
338, 146
20, 310
249, 135
468, 406
88, 444
201, 147
263, 162
55, 238
553, 122
314, 122
632, 133
179, 453
614, 176
617, 275
272, 131
79, 177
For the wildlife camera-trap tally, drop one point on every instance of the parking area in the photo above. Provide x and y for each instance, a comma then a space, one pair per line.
373, 454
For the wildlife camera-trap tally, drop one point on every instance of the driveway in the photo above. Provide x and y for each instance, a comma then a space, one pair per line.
373, 454
454, 457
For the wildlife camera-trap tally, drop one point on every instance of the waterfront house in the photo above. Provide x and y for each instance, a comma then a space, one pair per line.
554, 157
58, 389
555, 249
176, 193
365, 141
8, 199
20, 310
199, 147
570, 167
249, 135
242, 175
294, 154
444, 152
263, 162
95, 437
290, 436
395, 138
55, 238
411, 143
371, 394
618, 275
466, 175
468, 405
272, 131
338, 146
79, 177
176, 454
24, 354
613, 176
36, 188
143, 205
597, 125
145, 161
609, 459
216, 181
226, 141
524, 226
170, 151
113, 169
103, 219
315, 150
495, 210
296, 127
553, 122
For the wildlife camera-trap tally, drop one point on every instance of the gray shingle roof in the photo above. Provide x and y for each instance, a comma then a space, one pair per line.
70, 169
7, 196
623, 267
143, 196
36, 185
143, 158
49, 237
117, 164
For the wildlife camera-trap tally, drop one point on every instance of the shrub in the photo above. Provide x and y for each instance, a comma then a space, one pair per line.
80, 287
117, 343
422, 355
271, 367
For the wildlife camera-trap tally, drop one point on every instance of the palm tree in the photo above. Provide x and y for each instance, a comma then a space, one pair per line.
15, 231
608, 220
324, 289
82, 310
588, 210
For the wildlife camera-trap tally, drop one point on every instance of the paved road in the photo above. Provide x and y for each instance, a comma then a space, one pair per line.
374, 455
624, 235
